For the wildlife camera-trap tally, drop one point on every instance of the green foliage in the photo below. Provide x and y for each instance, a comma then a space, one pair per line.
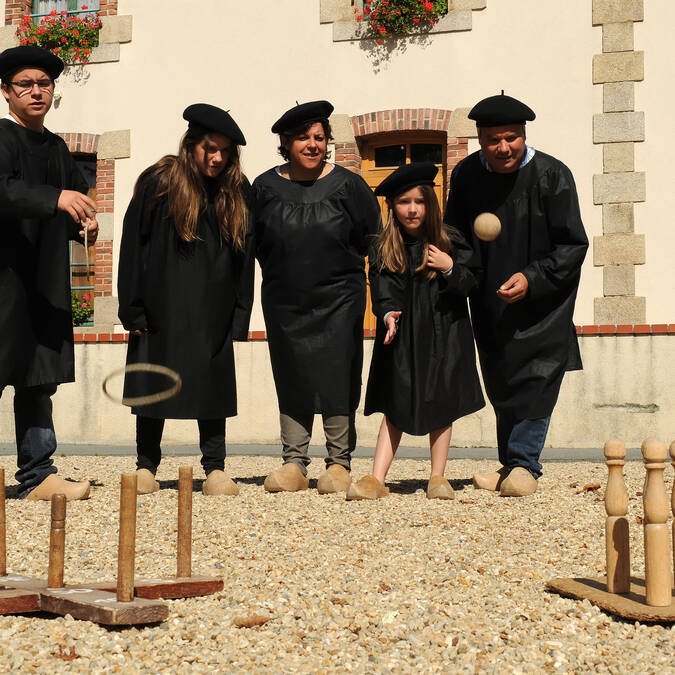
70, 37
82, 308
391, 18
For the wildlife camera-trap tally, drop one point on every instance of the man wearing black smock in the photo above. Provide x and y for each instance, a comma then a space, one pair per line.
523, 307
43, 206
313, 221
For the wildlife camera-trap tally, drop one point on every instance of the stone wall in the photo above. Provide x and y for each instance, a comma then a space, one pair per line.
620, 186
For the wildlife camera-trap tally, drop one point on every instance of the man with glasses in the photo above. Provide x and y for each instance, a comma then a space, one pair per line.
43, 206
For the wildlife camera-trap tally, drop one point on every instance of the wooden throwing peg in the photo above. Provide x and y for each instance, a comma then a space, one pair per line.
617, 540
656, 511
127, 541
57, 542
3, 526
184, 546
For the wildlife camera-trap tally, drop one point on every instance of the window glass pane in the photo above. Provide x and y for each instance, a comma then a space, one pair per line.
390, 155
47, 6
426, 152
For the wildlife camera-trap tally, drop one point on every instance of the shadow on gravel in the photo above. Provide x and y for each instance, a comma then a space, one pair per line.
250, 480
408, 486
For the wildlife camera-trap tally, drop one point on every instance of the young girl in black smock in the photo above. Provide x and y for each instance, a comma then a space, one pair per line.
186, 289
423, 371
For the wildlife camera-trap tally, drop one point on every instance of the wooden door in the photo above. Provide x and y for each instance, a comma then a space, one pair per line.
384, 155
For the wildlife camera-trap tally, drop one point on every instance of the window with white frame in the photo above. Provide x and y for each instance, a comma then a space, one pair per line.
45, 7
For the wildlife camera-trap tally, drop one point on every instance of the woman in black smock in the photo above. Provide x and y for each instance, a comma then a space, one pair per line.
423, 371
312, 225
186, 292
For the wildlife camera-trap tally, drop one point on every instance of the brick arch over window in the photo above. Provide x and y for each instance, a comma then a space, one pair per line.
366, 126
105, 192
15, 10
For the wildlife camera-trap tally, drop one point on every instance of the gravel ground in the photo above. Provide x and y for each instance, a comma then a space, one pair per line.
399, 585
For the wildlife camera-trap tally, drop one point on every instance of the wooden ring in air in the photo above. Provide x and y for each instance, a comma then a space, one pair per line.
152, 398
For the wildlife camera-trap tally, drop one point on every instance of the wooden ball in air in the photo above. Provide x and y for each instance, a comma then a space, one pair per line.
487, 226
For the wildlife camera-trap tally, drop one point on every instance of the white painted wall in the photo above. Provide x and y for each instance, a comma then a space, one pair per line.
625, 391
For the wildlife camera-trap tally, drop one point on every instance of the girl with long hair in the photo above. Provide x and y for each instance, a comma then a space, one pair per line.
423, 371
185, 288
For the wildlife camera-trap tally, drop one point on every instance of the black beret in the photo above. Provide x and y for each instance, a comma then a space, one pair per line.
407, 177
302, 113
26, 56
214, 119
500, 110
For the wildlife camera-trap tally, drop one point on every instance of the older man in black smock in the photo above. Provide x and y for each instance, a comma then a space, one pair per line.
522, 309
42, 208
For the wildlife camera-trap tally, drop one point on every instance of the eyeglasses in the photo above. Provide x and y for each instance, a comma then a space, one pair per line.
26, 86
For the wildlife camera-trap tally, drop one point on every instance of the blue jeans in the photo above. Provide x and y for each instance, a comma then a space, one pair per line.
35, 439
520, 442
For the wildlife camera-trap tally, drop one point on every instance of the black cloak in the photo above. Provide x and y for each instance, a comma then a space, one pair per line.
311, 241
194, 297
36, 322
426, 377
525, 347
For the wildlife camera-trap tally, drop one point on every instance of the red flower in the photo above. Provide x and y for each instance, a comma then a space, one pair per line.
86, 296
415, 20
379, 42
64, 39
87, 51
85, 42
429, 6
64, 12
84, 305
382, 30
53, 13
76, 32
22, 42
366, 10
359, 17
56, 50
85, 7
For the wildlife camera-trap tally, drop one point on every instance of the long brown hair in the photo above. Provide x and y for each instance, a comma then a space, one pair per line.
179, 179
390, 245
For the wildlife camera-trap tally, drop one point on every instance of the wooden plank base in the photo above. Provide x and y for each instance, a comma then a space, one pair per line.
171, 588
630, 605
17, 601
101, 607
89, 604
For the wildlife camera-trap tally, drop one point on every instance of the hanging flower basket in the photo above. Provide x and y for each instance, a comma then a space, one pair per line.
384, 19
70, 37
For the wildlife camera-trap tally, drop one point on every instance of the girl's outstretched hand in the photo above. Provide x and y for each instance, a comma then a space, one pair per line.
439, 260
392, 318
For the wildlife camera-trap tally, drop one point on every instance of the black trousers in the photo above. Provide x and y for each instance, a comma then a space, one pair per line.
149, 438
35, 439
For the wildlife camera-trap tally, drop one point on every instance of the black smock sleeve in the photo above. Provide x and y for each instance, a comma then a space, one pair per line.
19, 198
365, 214
244, 288
387, 290
462, 280
76, 182
131, 270
465, 252
560, 268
